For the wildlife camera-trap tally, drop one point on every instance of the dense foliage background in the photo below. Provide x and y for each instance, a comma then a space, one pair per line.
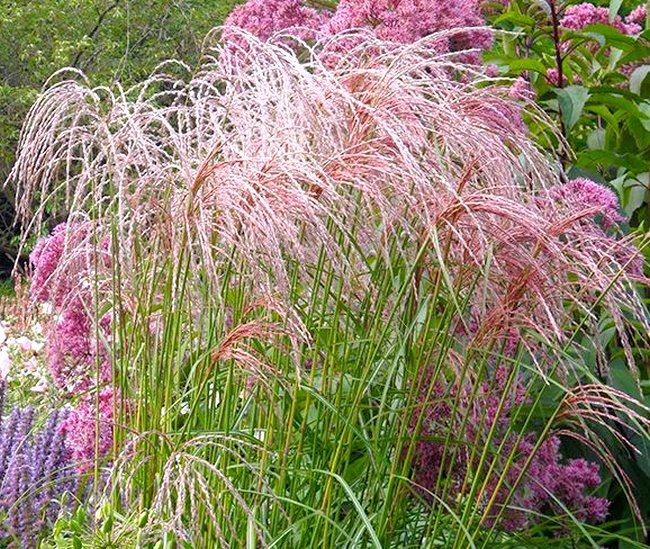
117, 40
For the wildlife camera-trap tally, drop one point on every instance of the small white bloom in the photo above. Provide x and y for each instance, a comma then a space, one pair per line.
41, 386
46, 308
37, 346
37, 328
260, 434
5, 364
24, 343
185, 408
3, 334
31, 365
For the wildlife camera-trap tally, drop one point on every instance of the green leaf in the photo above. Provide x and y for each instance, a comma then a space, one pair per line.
639, 132
517, 19
632, 192
518, 65
644, 109
606, 35
623, 380
572, 101
544, 5
637, 77
614, 6
617, 102
606, 158
596, 139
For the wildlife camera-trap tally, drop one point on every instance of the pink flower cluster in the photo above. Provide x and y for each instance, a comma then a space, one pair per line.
569, 482
77, 358
637, 16
549, 478
74, 352
582, 15
402, 21
580, 193
263, 18
89, 429
553, 77
60, 264
46, 260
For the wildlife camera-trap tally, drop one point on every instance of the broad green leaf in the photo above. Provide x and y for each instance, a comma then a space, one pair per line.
596, 139
639, 132
544, 5
614, 6
572, 101
527, 65
637, 77
606, 35
617, 102
644, 109
517, 19
634, 198
623, 379
606, 158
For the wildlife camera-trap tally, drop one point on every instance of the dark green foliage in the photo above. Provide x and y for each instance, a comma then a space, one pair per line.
106, 39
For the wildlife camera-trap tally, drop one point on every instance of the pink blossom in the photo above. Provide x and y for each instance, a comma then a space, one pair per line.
583, 193
553, 77
549, 477
31, 365
631, 259
45, 259
62, 261
491, 70
263, 18
89, 429
582, 15
637, 16
24, 343
406, 21
520, 89
74, 352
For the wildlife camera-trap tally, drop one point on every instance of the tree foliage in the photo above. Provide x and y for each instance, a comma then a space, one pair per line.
106, 39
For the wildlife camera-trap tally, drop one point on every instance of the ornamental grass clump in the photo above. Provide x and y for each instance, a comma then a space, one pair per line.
294, 239
271, 161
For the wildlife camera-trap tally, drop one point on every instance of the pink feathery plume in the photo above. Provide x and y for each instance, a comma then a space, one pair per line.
290, 157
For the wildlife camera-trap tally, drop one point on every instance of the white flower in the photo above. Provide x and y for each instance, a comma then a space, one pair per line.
185, 408
31, 365
37, 346
37, 328
41, 386
46, 308
3, 334
24, 343
5, 364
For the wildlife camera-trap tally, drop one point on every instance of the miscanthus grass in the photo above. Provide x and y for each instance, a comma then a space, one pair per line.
323, 267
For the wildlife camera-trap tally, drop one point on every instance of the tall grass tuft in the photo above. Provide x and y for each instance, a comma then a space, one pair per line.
323, 262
